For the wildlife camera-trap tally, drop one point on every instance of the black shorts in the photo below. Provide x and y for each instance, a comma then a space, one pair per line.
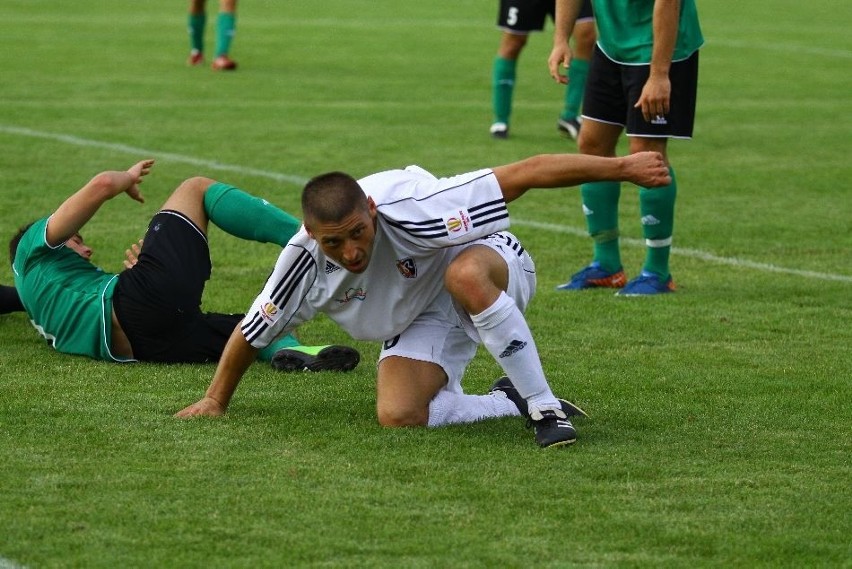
613, 88
586, 12
525, 16
158, 301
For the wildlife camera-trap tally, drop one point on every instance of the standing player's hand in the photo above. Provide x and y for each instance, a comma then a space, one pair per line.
560, 55
655, 99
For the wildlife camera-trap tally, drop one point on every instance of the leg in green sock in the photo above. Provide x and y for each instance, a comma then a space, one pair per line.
197, 22
577, 74
657, 210
600, 205
503, 86
226, 25
248, 217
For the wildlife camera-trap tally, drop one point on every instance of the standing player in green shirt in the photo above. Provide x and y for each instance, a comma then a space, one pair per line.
152, 310
642, 80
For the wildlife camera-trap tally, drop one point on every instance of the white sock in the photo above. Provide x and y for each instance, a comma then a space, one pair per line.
505, 334
447, 408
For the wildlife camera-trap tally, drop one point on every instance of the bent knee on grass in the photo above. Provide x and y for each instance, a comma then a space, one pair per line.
404, 389
394, 416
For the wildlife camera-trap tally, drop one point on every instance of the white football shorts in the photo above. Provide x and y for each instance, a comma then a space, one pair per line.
444, 334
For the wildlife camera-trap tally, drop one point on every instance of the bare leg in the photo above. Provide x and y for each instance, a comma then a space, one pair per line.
404, 388
188, 199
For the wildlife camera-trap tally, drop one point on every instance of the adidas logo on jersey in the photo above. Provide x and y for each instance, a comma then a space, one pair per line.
330, 267
513, 347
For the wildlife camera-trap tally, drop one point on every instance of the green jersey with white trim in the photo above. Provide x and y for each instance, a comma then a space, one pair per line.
626, 30
68, 299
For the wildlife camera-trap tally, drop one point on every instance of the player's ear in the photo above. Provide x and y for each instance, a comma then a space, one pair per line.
371, 207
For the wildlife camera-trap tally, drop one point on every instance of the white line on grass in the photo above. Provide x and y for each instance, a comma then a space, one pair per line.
9, 564
692, 253
144, 153
299, 181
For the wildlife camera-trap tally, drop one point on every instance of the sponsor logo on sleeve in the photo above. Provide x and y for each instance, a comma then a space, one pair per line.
268, 311
457, 223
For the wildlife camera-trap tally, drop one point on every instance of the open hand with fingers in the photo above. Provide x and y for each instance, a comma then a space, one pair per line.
136, 173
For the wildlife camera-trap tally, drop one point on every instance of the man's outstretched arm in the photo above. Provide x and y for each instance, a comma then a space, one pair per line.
646, 169
236, 358
70, 217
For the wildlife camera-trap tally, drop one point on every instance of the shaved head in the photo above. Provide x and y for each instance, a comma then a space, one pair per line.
329, 198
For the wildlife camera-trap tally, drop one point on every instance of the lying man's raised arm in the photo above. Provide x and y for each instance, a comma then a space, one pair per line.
70, 217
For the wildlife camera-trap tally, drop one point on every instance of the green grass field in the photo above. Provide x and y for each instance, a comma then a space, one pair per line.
720, 416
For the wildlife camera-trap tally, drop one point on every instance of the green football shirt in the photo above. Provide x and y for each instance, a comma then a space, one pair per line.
626, 30
68, 299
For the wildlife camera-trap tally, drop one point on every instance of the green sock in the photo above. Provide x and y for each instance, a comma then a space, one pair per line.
577, 74
600, 205
196, 31
288, 341
657, 209
226, 25
503, 85
248, 217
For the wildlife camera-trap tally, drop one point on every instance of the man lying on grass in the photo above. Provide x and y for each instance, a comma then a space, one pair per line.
426, 266
151, 311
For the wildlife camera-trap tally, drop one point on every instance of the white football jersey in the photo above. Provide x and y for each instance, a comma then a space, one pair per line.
421, 219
